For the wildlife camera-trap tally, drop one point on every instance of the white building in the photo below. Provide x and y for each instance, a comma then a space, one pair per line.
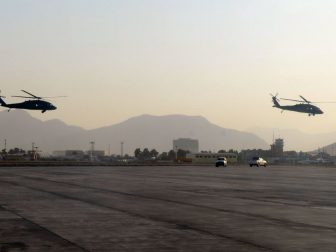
96, 153
186, 144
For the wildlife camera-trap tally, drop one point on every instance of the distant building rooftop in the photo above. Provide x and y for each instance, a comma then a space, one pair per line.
186, 144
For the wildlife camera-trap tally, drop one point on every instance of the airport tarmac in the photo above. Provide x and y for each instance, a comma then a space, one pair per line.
175, 208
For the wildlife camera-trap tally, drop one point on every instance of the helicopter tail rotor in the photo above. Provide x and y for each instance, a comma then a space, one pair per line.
2, 102
275, 100
275, 96
1, 95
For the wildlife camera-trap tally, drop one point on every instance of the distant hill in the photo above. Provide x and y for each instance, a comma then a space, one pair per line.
295, 139
20, 129
330, 149
159, 131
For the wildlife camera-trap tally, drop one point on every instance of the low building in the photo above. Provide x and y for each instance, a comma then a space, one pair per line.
69, 154
210, 158
96, 153
246, 155
16, 157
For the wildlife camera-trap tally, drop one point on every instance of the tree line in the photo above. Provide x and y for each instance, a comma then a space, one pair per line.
153, 154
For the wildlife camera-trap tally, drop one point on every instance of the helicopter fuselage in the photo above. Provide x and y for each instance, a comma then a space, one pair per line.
31, 105
34, 103
302, 108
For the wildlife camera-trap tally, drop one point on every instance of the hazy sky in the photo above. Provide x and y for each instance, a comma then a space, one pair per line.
219, 59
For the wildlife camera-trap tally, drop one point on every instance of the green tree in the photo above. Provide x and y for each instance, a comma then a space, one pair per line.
16, 151
171, 155
146, 154
138, 153
154, 153
163, 156
233, 151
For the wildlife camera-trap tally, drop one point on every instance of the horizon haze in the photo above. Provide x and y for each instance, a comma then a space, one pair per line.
220, 59
144, 131
148, 131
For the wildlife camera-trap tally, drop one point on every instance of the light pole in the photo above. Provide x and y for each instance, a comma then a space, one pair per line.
121, 149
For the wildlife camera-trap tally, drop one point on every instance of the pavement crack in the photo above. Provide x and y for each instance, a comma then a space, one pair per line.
21, 246
146, 217
284, 222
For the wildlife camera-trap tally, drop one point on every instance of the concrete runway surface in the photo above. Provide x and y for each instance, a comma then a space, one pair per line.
186, 208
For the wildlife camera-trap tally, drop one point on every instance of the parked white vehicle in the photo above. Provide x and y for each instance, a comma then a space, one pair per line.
221, 161
258, 161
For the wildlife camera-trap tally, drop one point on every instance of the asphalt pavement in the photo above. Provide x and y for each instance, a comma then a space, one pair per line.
175, 208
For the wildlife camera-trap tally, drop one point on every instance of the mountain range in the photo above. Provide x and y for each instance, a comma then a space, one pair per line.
145, 131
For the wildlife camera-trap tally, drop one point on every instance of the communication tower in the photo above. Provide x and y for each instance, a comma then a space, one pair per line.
92, 143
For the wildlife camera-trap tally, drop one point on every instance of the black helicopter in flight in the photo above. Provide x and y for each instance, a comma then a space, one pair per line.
35, 103
304, 106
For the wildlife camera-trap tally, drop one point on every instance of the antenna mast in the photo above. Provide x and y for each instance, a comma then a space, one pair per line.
92, 143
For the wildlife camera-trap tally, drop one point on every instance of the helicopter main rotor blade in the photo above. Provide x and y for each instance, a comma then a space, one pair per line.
291, 100
52, 97
323, 102
37, 97
26, 97
314, 101
305, 99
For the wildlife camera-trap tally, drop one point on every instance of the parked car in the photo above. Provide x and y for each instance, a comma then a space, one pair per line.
221, 161
258, 161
